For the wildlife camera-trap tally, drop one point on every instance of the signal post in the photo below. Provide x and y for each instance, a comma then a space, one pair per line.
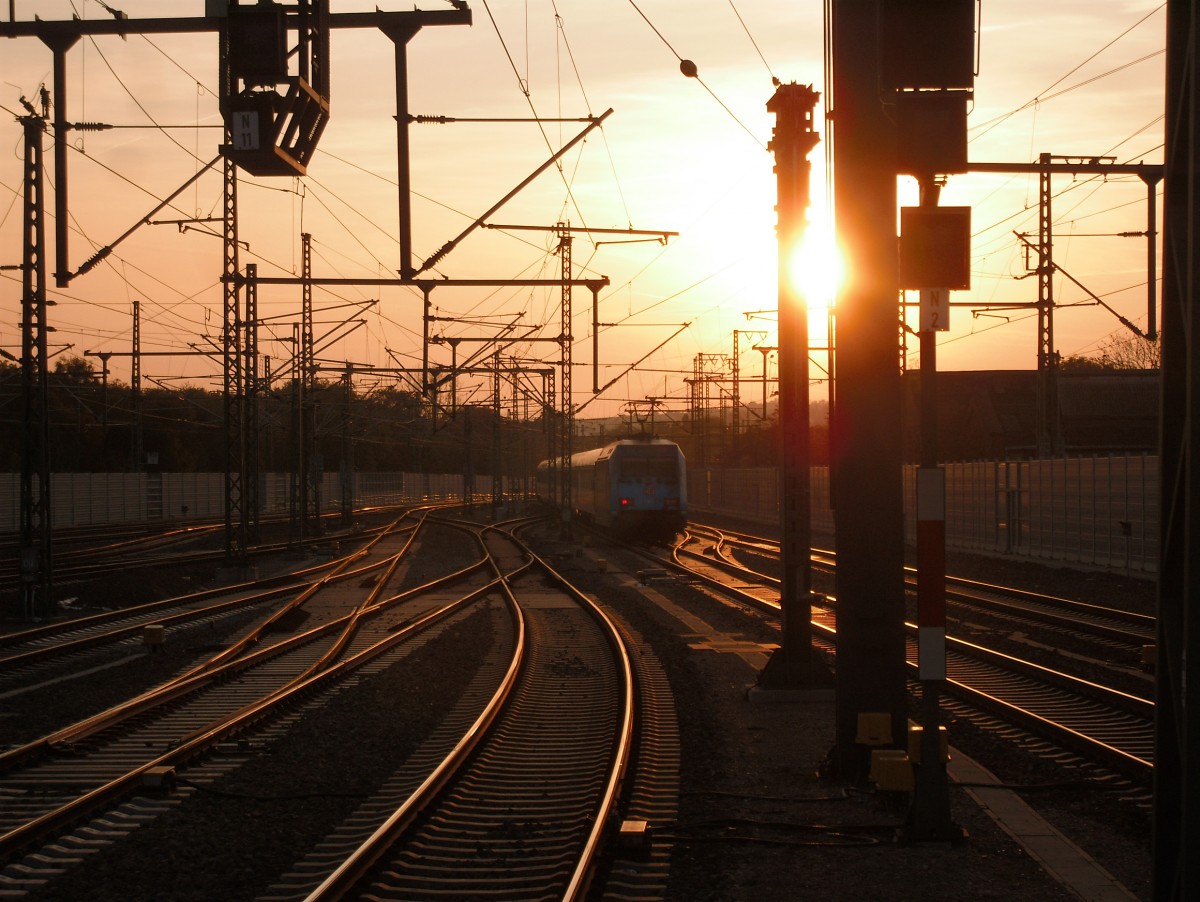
790, 667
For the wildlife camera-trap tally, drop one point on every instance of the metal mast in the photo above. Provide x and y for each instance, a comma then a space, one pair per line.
1049, 439
36, 547
1177, 722
137, 451
735, 420
568, 415
306, 378
232, 386
253, 391
866, 430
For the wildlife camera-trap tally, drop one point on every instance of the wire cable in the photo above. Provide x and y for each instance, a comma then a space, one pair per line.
525, 91
688, 68
1042, 95
774, 80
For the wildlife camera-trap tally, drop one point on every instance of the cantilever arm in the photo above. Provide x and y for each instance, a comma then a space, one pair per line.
91, 262
613, 381
453, 243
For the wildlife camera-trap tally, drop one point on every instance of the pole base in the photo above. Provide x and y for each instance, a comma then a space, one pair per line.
944, 832
784, 671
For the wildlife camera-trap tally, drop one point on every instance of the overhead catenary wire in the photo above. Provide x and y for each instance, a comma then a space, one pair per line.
344, 225
364, 238
690, 70
560, 25
526, 92
1043, 96
118, 271
757, 49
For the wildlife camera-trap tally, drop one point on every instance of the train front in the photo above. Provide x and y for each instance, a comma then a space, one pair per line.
649, 489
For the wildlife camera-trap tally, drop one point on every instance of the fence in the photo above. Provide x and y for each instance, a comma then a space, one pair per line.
1096, 511
93, 499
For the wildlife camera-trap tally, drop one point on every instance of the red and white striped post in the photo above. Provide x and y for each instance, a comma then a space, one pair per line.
931, 573
929, 818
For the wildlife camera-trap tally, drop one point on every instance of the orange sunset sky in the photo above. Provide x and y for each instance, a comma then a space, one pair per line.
1073, 77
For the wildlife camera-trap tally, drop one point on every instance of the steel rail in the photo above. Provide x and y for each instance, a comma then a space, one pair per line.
578, 884
1087, 694
205, 737
355, 868
1101, 621
358, 863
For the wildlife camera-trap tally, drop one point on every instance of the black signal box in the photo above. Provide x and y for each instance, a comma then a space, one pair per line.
935, 247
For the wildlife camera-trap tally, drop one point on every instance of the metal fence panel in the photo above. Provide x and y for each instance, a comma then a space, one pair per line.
96, 499
1091, 511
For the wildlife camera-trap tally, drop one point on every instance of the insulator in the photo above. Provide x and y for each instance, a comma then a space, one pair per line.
90, 126
95, 259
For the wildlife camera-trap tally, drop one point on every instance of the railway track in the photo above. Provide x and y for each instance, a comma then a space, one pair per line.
70, 648
532, 762
83, 556
475, 802
1130, 628
1111, 727
61, 781
520, 803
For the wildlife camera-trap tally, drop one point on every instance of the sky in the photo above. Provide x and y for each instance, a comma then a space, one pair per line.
678, 154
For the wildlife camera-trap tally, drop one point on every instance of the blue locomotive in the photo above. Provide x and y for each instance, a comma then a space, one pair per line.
634, 487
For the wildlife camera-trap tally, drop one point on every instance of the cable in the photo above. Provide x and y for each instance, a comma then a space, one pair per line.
774, 80
790, 800
348, 230
524, 85
833, 835
558, 19
1106, 46
272, 798
1041, 96
656, 31
688, 68
136, 102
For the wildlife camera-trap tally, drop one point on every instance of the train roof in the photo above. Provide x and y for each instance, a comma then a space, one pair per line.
588, 458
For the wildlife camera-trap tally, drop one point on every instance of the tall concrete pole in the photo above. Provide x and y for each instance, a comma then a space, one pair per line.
866, 429
1177, 722
794, 138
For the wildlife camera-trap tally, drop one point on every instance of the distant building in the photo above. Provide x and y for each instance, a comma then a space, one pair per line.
994, 415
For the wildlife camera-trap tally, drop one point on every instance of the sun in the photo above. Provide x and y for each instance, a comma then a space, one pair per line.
815, 270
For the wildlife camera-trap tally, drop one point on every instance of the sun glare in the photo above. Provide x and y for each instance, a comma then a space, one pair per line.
815, 270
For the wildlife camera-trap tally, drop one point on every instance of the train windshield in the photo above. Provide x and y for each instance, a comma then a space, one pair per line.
648, 466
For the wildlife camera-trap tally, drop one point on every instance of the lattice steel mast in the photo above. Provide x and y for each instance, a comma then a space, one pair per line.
36, 547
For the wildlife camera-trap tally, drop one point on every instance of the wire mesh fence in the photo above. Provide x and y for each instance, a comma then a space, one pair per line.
1096, 511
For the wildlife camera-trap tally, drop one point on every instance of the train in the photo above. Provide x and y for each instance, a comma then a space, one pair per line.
635, 488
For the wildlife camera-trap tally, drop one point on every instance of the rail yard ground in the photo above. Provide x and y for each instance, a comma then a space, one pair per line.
758, 820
